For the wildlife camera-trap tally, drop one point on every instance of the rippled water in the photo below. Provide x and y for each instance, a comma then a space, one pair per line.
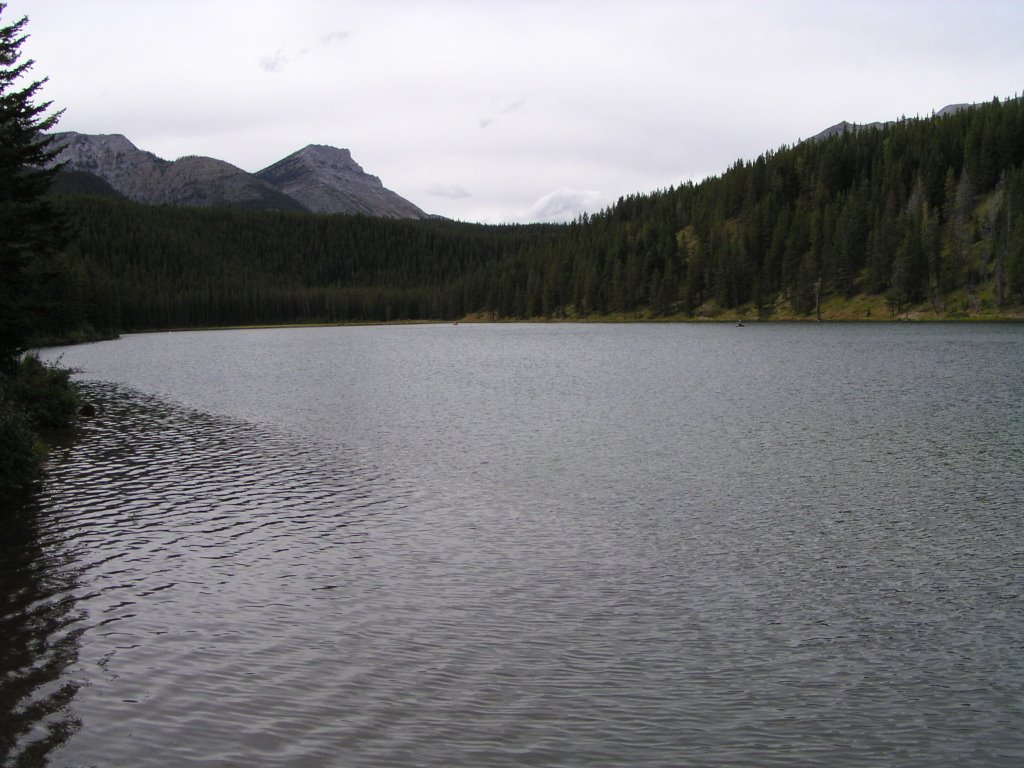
528, 545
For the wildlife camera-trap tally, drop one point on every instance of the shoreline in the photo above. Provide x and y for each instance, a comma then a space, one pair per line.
592, 320
747, 315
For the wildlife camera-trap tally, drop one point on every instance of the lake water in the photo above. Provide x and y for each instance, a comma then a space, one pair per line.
507, 545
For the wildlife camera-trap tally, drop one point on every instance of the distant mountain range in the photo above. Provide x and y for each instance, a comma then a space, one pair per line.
318, 178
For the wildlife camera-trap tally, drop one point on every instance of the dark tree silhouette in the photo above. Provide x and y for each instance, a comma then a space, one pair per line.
31, 232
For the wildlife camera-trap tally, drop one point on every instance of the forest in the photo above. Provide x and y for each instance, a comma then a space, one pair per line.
923, 213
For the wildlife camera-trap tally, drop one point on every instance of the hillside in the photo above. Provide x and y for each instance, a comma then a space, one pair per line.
844, 125
318, 178
916, 218
327, 180
926, 211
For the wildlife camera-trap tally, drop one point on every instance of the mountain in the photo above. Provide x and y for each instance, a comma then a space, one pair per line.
952, 109
844, 126
145, 178
67, 183
921, 217
327, 180
317, 178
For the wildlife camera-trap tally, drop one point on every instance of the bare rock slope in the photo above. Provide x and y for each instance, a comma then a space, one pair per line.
327, 180
145, 178
317, 178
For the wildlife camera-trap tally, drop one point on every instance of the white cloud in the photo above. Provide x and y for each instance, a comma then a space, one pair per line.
333, 37
507, 109
274, 62
277, 61
449, 191
562, 205
572, 95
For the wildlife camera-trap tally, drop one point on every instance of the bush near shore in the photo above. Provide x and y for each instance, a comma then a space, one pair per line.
35, 399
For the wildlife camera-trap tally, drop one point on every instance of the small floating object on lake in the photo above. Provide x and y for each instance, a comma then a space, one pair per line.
739, 324
87, 410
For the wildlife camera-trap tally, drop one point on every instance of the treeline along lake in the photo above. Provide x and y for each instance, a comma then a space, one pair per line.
924, 214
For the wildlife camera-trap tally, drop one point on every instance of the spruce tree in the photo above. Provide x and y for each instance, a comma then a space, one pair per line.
30, 229
32, 396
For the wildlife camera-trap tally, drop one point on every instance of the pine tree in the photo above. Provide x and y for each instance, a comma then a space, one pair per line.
31, 232
32, 396
959, 195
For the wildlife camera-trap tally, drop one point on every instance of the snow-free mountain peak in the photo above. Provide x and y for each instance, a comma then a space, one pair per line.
317, 178
326, 179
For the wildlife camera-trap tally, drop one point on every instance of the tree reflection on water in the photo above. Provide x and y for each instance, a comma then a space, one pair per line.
40, 631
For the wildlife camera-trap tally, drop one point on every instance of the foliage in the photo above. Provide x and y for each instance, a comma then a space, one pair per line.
36, 396
140, 267
21, 455
918, 211
44, 393
30, 232
32, 396
882, 210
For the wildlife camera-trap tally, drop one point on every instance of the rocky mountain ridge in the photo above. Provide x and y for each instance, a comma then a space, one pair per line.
320, 179
326, 179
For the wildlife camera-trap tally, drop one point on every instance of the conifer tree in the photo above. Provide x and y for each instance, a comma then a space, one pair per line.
30, 229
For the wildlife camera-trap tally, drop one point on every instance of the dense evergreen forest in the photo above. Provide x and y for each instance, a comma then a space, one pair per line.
924, 212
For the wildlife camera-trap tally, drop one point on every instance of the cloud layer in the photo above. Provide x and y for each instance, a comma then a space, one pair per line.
509, 110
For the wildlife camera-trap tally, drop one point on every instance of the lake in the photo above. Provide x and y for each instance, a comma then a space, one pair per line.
510, 545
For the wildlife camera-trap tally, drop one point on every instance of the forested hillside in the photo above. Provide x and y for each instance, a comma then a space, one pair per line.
923, 210
136, 267
924, 213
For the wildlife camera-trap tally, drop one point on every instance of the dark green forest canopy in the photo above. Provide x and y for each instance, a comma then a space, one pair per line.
927, 210
136, 267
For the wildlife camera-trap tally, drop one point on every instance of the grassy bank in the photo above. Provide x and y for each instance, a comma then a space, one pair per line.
875, 308
860, 308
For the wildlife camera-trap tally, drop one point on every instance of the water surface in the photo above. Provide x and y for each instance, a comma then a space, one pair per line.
529, 545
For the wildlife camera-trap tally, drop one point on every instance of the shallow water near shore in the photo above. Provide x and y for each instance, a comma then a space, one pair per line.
501, 545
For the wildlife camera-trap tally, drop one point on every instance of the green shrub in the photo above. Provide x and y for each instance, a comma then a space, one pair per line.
21, 454
44, 392
33, 397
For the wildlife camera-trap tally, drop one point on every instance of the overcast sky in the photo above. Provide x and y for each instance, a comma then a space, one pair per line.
511, 111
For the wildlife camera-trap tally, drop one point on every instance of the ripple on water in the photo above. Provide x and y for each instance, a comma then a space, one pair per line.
762, 564
171, 542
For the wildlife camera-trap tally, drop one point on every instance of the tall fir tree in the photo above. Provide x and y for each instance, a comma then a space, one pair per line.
31, 231
32, 396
